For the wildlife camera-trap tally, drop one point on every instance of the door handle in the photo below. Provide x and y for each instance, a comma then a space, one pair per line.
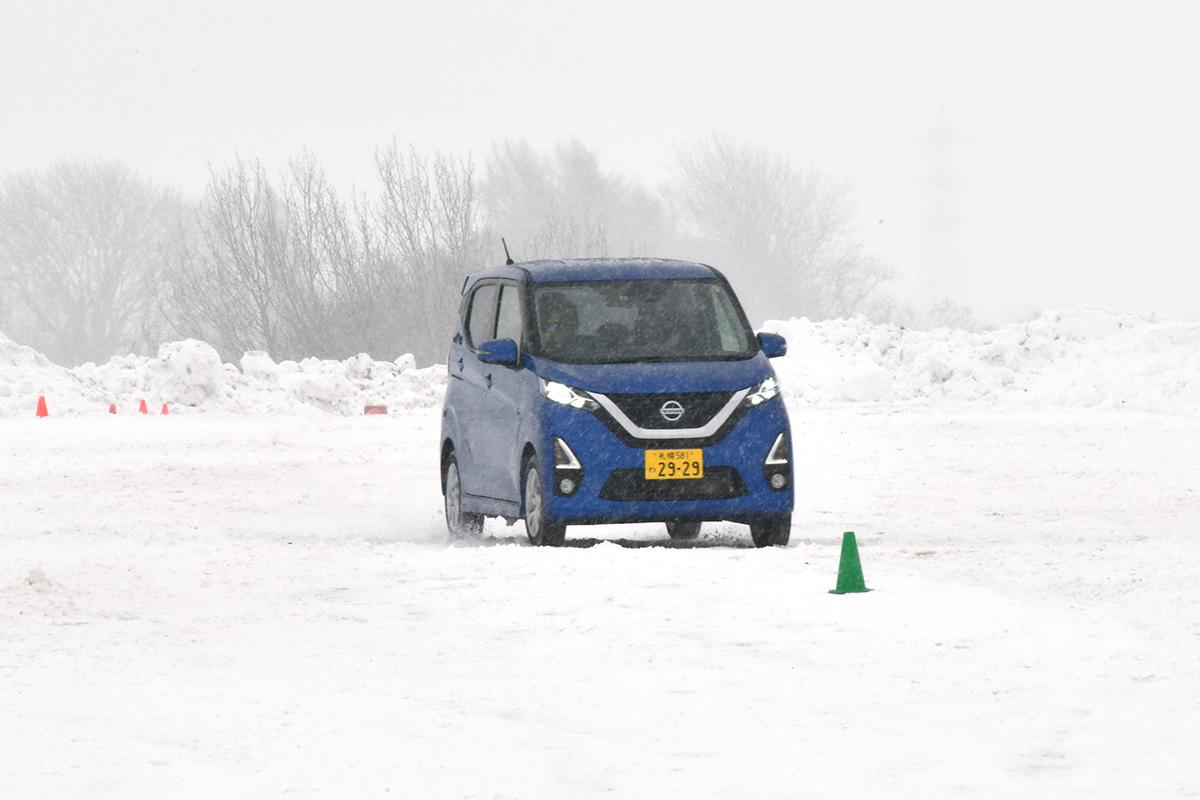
458, 338
488, 378
460, 363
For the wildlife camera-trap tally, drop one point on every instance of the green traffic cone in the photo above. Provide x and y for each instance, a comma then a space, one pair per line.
850, 574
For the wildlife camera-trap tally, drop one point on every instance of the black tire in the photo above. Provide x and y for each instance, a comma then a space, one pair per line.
683, 529
461, 524
771, 531
541, 531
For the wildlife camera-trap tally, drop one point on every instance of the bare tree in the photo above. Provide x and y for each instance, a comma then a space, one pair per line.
429, 237
279, 265
81, 246
226, 284
564, 205
336, 298
7, 300
287, 266
782, 232
948, 313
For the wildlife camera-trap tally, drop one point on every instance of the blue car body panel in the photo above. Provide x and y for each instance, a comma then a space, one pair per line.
496, 415
607, 269
691, 376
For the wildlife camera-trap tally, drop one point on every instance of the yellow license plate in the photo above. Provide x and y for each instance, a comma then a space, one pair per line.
674, 465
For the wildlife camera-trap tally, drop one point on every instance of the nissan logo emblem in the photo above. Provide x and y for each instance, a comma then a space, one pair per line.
671, 411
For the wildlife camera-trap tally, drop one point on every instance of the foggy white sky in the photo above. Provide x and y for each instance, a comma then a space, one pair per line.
1013, 156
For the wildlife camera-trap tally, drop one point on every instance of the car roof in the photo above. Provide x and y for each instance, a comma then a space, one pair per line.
595, 269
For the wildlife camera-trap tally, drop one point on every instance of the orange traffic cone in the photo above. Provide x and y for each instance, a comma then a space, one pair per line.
142, 407
112, 408
164, 410
41, 409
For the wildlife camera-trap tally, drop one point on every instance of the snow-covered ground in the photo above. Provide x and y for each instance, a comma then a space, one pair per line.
221, 605
255, 596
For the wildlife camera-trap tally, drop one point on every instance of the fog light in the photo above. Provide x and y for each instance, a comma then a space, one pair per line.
566, 486
778, 480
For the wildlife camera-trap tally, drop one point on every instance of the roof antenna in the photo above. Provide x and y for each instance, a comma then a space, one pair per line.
507, 258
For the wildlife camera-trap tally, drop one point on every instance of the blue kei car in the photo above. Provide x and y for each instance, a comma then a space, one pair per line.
599, 391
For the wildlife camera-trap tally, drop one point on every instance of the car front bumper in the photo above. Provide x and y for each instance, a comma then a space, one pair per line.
610, 484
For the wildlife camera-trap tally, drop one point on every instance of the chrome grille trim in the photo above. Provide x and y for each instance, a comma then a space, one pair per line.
635, 430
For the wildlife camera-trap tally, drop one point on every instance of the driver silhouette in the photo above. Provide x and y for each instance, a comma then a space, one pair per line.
560, 322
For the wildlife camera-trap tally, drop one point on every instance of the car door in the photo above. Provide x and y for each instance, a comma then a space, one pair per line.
479, 324
502, 401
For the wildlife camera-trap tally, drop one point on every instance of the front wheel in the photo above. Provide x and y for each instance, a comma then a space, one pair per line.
541, 531
771, 531
462, 524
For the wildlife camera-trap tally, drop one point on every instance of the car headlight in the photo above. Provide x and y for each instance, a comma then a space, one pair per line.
764, 392
561, 393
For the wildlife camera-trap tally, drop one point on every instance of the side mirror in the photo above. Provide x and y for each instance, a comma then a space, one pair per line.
773, 345
499, 351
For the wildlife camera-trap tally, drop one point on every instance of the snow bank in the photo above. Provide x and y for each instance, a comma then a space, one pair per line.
189, 375
25, 374
1081, 357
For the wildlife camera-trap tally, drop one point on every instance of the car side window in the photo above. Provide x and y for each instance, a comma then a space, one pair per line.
481, 317
508, 319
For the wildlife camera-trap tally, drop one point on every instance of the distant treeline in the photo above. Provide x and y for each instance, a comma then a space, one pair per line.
97, 260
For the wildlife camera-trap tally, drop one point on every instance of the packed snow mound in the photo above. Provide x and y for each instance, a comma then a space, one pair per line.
188, 375
1079, 357
189, 372
25, 374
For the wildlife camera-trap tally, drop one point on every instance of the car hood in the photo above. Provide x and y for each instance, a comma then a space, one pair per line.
689, 376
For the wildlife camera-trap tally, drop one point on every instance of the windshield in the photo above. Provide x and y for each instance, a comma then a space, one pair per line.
613, 322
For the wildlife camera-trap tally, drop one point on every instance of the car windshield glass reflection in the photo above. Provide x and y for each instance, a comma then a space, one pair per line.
610, 322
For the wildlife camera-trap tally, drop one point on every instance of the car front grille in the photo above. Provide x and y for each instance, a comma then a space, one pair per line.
718, 483
645, 410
